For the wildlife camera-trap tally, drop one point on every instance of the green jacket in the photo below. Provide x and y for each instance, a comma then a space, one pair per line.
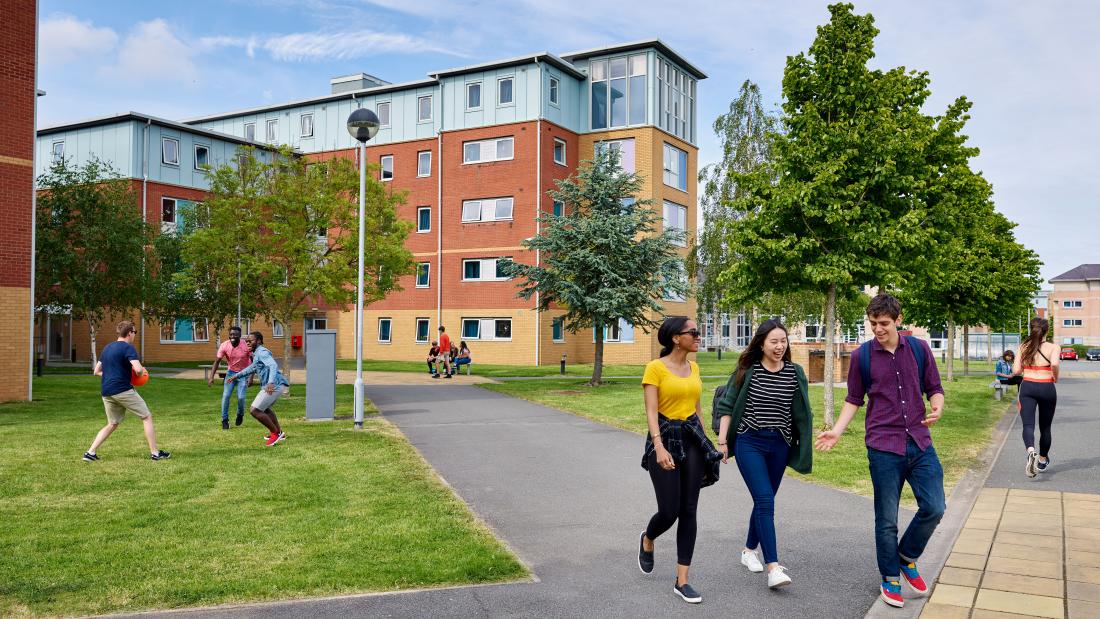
733, 403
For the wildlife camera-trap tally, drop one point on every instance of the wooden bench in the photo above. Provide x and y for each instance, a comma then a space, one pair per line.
206, 371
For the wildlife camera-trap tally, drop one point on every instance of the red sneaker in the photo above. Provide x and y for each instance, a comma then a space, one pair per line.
891, 593
274, 438
913, 577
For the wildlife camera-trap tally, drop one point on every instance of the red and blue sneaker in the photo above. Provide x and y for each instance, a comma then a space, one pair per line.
891, 593
912, 576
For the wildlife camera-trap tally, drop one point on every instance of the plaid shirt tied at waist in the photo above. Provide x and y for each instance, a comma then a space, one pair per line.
673, 435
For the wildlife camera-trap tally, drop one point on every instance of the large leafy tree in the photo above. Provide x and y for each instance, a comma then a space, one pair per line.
292, 226
603, 260
90, 243
843, 202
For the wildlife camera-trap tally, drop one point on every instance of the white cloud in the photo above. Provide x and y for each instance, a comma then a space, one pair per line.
325, 46
64, 38
151, 52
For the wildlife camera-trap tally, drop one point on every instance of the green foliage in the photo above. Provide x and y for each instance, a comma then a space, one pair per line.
90, 243
603, 259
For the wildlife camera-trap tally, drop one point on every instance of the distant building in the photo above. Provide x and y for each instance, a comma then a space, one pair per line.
1075, 306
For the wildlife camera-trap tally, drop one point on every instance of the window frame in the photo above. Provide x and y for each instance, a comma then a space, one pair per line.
164, 142
481, 322
496, 149
482, 262
277, 330
301, 125
511, 91
194, 340
427, 270
420, 160
196, 152
1072, 304
557, 324
564, 153
382, 123
382, 168
271, 136
680, 174
175, 213
602, 76
1072, 323
557, 208
420, 118
252, 126
481, 210
389, 330
665, 209
419, 209
480, 98
427, 322
54, 155
554, 94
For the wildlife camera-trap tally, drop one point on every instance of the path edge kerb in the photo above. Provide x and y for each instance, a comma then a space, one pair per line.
959, 505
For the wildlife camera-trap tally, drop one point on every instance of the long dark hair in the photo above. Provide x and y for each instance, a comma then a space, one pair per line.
1037, 334
671, 327
755, 350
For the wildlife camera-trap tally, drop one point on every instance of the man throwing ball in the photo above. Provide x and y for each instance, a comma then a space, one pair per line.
115, 365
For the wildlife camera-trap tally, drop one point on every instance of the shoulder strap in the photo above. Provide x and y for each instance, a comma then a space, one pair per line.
865, 365
918, 355
1040, 351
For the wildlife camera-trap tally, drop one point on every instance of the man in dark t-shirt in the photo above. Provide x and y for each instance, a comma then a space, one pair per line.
118, 361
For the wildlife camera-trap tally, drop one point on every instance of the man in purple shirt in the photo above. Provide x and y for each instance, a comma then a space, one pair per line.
899, 444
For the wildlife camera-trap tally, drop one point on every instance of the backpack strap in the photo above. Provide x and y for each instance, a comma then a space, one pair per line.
865, 365
918, 355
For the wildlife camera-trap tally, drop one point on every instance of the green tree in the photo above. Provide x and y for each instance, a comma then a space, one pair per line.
90, 243
603, 259
842, 204
293, 227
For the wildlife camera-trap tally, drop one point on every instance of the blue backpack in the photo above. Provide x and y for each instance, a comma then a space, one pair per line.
865, 361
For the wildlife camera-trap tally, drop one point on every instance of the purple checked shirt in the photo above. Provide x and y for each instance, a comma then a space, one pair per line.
896, 407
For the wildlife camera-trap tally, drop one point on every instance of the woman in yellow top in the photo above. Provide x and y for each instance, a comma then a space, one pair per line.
678, 455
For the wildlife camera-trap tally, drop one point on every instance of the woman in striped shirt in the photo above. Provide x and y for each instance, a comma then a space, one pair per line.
765, 413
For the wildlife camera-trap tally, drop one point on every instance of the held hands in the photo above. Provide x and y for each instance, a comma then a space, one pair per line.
724, 449
826, 440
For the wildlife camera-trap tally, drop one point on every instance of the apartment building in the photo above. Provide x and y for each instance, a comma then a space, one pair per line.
1074, 306
477, 148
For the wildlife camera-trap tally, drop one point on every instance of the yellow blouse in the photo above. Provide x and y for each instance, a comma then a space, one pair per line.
676, 396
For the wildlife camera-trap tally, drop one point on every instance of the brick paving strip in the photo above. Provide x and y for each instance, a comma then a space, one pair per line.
1023, 553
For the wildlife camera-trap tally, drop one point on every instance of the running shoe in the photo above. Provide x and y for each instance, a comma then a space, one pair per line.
1029, 467
160, 455
751, 561
240, 419
90, 457
645, 559
913, 577
891, 593
274, 438
1041, 466
225, 424
687, 594
778, 578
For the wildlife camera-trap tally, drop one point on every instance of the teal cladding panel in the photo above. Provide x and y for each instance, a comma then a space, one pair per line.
112, 143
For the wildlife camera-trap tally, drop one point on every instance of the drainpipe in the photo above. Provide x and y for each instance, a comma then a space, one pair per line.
34, 222
538, 210
144, 214
439, 219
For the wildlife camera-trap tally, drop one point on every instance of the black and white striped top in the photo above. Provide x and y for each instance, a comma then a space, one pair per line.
771, 395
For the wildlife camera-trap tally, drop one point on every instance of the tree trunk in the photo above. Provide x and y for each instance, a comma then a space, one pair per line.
989, 343
287, 332
91, 332
966, 350
950, 347
597, 361
830, 352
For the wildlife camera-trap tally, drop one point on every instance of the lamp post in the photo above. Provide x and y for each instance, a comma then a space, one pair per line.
362, 125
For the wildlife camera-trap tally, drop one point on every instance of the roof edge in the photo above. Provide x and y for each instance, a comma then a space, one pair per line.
508, 62
162, 122
660, 45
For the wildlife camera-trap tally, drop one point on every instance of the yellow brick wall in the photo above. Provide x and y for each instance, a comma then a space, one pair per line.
15, 307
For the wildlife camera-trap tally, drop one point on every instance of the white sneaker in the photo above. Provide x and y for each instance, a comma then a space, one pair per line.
1030, 467
778, 577
751, 561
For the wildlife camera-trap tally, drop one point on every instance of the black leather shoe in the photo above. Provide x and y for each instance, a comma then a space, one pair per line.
645, 559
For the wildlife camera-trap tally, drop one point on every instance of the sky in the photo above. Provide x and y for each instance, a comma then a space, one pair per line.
1027, 65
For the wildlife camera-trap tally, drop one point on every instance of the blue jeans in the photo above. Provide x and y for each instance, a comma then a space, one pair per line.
889, 471
761, 456
227, 393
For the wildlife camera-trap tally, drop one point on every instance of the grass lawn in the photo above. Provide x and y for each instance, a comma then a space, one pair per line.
329, 511
970, 413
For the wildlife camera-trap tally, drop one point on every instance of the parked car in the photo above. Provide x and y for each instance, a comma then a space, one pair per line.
1068, 353
1093, 354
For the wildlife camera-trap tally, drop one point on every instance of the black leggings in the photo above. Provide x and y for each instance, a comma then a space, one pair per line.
677, 499
1044, 397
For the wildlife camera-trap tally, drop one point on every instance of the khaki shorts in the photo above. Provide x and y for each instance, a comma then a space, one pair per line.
265, 400
116, 406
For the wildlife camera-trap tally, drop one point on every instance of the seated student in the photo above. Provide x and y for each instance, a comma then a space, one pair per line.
462, 356
1004, 369
433, 358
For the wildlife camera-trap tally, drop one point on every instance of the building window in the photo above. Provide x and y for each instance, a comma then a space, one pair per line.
681, 277
182, 330
170, 151
504, 91
58, 151
625, 148
675, 101
676, 221
497, 149
168, 210
1073, 340
487, 329
559, 208
620, 331
1072, 322
424, 219
559, 151
483, 269
491, 209
306, 121
382, 110
384, 330
618, 91
473, 96
1072, 304
423, 274
387, 167
424, 109
250, 132
424, 163
675, 167
423, 327
276, 329
555, 88
271, 131
202, 156
557, 328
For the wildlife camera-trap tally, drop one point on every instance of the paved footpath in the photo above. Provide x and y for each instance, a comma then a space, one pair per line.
1031, 547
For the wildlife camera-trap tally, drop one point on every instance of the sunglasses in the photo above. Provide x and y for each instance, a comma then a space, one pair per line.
692, 332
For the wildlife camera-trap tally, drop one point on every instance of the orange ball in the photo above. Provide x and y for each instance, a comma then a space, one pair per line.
138, 380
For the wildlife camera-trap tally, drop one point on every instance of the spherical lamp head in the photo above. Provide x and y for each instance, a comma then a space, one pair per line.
363, 124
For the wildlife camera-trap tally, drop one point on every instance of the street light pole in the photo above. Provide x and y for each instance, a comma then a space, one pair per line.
362, 125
